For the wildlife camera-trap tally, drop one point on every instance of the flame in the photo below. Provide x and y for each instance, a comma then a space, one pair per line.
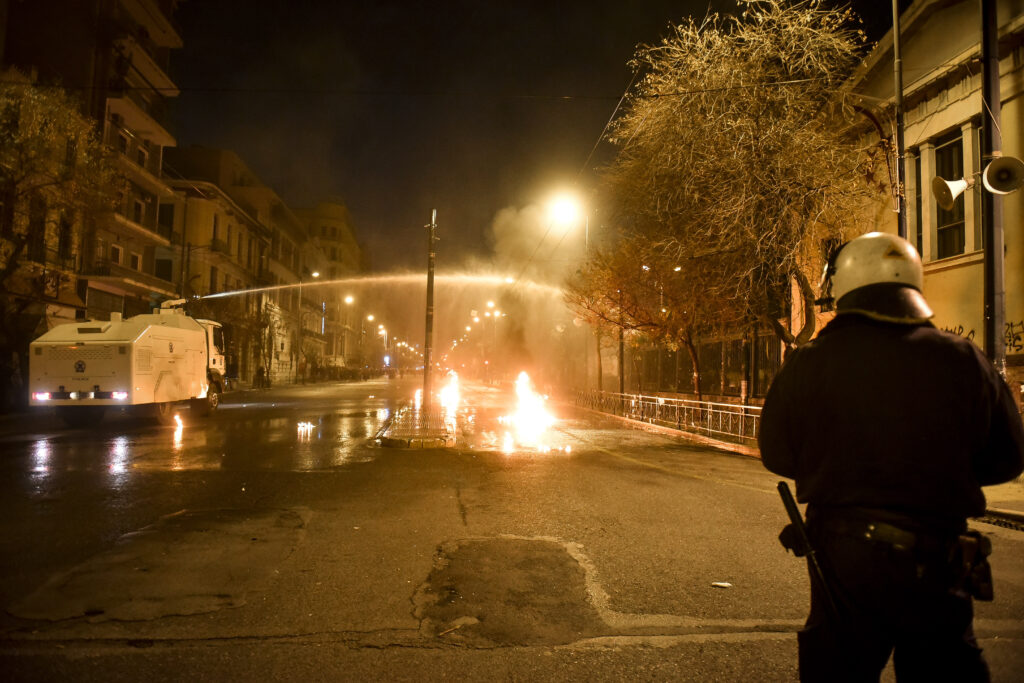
531, 419
450, 395
178, 431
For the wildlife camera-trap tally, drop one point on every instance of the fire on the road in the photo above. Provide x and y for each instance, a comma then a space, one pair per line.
531, 420
450, 395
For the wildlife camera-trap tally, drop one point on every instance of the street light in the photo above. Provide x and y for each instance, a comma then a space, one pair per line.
302, 353
566, 210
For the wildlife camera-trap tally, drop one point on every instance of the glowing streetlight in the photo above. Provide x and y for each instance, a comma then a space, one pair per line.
370, 317
349, 299
564, 209
490, 304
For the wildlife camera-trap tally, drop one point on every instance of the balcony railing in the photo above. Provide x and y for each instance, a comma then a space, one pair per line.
728, 421
110, 269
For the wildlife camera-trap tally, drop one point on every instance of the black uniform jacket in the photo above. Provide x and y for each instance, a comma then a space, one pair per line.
892, 417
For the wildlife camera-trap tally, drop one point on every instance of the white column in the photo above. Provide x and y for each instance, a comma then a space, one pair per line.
972, 203
929, 219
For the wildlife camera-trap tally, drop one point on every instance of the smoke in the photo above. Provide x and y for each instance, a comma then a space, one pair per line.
527, 242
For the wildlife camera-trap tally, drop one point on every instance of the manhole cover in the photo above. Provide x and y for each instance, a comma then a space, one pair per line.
506, 591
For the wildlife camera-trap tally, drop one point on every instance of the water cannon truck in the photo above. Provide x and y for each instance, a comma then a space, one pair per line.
151, 362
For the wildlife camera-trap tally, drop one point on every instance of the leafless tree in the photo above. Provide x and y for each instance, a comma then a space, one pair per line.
738, 159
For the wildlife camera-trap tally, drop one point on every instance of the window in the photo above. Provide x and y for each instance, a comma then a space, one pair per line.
142, 156
37, 229
70, 153
162, 269
138, 211
216, 225
64, 238
135, 261
116, 253
7, 212
213, 279
122, 142
165, 220
949, 164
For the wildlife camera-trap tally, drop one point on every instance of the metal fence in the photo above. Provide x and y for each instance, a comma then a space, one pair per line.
729, 421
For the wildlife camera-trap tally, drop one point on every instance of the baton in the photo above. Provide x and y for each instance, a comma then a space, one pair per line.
812, 557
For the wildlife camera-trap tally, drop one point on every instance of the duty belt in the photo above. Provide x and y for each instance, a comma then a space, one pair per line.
882, 532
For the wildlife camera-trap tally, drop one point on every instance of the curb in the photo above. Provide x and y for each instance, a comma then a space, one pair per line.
1006, 514
418, 442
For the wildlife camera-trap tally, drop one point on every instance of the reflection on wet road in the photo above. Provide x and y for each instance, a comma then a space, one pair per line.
296, 429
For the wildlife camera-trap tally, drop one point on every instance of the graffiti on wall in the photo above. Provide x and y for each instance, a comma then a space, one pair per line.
1014, 336
960, 331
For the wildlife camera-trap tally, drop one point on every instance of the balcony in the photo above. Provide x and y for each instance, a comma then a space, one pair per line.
119, 223
139, 116
148, 64
157, 19
133, 281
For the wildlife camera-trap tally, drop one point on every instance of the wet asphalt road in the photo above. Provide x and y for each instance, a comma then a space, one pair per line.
243, 548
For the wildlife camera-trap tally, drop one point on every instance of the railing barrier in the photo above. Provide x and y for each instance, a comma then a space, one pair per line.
729, 420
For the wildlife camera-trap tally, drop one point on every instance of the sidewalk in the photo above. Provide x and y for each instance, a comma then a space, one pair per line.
1007, 499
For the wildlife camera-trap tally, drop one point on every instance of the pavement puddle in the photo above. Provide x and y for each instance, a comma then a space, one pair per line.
190, 562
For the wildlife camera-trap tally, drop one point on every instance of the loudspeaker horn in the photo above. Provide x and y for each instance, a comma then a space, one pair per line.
1003, 175
946, 191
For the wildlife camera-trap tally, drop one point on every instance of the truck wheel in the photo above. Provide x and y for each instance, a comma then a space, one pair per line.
163, 413
204, 406
77, 417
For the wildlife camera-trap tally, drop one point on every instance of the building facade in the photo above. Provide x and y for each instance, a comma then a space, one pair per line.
116, 52
941, 52
330, 231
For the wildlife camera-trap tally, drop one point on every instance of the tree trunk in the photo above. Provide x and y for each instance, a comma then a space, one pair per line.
790, 340
695, 365
600, 369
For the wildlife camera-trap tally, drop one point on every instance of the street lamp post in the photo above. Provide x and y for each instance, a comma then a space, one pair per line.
567, 209
349, 299
302, 353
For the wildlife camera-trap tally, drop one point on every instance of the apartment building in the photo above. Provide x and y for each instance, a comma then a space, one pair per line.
329, 226
115, 53
942, 72
286, 258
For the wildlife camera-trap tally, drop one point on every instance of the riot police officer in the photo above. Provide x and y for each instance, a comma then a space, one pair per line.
890, 427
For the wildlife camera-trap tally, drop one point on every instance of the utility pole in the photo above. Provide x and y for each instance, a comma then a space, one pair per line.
431, 240
901, 164
991, 205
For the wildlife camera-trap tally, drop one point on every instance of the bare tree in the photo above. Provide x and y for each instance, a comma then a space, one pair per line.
635, 287
737, 154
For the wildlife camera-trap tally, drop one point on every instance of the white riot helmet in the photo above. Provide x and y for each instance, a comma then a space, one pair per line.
880, 276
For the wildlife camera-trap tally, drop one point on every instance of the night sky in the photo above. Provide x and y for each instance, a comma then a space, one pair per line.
396, 107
